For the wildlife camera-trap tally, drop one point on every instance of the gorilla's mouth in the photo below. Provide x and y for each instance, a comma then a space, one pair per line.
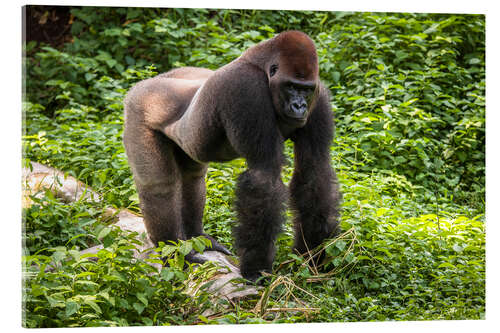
295, 118
297, 114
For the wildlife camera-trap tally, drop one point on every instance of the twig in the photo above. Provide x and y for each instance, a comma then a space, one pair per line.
293, 309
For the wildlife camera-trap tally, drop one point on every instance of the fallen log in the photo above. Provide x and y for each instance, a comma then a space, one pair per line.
40, 177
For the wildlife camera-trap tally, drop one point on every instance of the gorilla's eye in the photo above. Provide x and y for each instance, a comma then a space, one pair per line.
273, 70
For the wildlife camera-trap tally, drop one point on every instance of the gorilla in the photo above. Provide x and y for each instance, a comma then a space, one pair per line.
179, 121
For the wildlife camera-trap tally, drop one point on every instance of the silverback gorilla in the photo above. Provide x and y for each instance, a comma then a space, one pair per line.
177, 122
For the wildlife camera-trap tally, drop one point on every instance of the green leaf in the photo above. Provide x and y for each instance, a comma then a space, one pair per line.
71, 308
446, 264
93, 305
138, 307
166, 274
336, 77
198, 245
142, 297
134, 197
88, 283
103, 233
340, 244
147, 321
105, 295
55, 301
167, 250
185, 248
90, 76
458, 248
59, 255
399, 159
381, 211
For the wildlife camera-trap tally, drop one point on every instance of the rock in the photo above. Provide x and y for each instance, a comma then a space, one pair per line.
70, 189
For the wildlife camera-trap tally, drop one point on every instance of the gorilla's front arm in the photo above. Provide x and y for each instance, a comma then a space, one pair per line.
242, 126
261, 196
314, 186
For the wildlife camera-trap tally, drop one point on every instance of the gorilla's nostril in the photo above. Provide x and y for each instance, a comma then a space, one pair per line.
299, 103
298, 106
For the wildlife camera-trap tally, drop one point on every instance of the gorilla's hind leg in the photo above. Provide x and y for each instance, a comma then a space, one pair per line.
158, 181
193, 200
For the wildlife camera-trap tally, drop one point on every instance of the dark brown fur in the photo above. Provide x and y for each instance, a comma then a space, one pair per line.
177, 122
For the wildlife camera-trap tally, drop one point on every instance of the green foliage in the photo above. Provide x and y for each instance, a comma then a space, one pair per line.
412, 88
114, 289
49, 223
408, 91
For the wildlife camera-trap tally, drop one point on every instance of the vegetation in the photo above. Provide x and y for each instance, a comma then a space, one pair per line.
408, 92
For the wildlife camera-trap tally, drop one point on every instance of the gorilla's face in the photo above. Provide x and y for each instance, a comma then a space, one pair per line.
293, 93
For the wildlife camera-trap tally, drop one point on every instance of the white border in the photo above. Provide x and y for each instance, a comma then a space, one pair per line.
10, 131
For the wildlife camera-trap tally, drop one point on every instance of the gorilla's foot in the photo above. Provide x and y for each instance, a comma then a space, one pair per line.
195, 258
253, 277
216, 246
257, 277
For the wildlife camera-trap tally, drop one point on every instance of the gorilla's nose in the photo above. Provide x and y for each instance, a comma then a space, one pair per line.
299, 107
